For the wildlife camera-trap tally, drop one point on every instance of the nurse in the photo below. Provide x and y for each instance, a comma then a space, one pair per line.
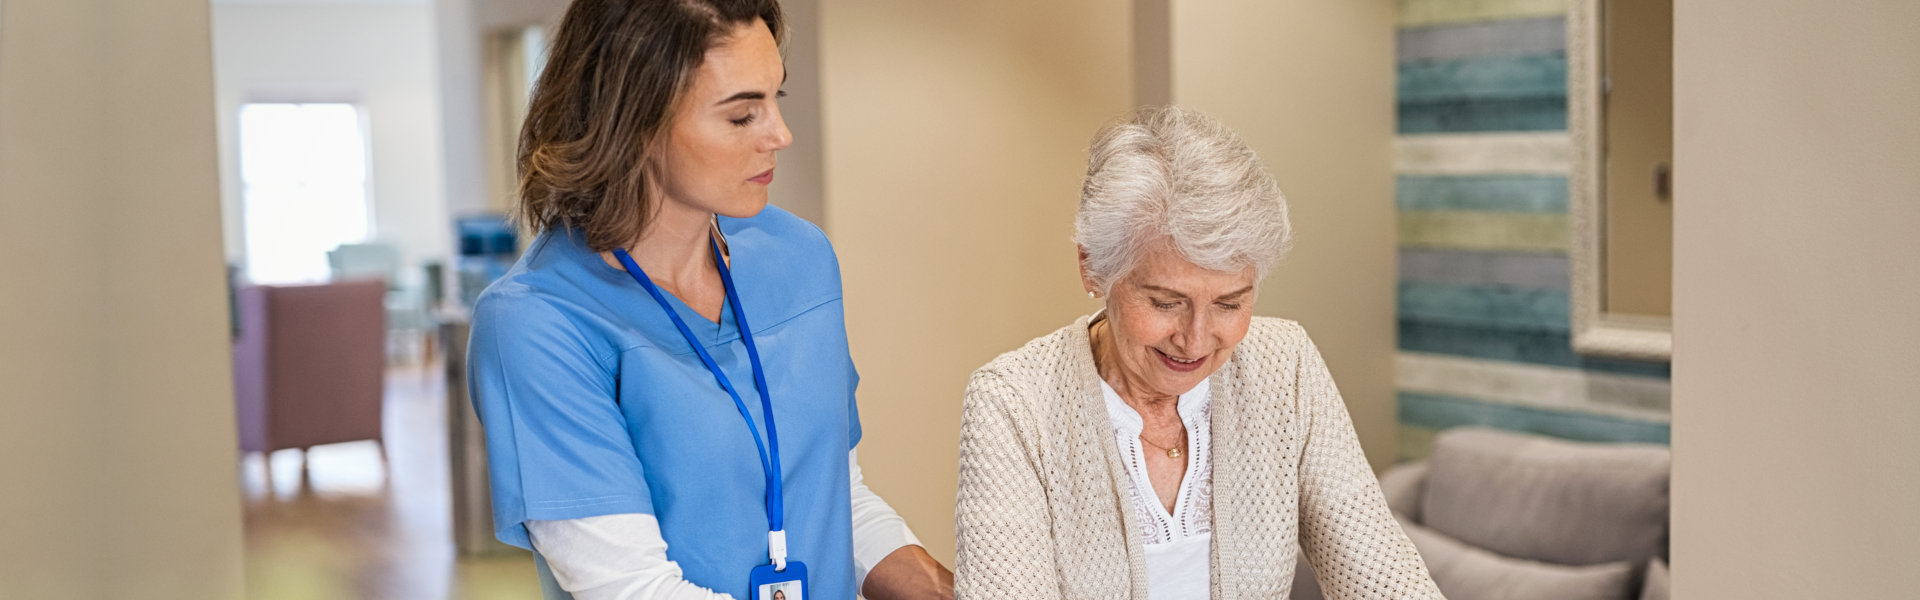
664, 377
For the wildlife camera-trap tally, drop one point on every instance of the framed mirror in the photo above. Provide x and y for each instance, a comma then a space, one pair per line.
1620, 125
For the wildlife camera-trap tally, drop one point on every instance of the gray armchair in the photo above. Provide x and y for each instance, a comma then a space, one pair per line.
1502, 515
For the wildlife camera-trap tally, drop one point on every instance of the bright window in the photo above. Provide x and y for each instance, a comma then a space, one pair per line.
303, 174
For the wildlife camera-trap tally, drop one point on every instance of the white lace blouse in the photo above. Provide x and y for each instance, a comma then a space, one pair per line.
1177, 543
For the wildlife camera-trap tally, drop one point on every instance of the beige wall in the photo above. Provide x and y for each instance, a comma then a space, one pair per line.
1796, 333
799, 188
120, 454
1310, 85
955, 136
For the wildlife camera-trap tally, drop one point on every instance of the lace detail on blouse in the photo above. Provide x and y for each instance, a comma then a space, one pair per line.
1193, 507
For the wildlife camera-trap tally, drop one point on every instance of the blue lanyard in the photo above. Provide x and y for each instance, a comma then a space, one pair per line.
769, 461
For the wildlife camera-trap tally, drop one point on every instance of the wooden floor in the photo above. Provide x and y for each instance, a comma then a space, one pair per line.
354, 530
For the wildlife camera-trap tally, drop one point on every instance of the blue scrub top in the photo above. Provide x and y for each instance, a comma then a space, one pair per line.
594, 404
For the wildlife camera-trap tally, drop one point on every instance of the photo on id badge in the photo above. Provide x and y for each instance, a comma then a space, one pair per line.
785, 590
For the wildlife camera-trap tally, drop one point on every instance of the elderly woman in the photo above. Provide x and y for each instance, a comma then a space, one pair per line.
1171, 445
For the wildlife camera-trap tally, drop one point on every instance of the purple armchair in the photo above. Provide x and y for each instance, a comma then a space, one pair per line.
309, 365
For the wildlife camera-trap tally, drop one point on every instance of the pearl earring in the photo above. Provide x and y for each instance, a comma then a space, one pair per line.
1092, 295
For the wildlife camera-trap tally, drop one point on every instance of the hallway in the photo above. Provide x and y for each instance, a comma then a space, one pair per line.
351, 531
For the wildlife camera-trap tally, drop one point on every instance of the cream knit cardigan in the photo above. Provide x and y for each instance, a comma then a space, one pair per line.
1042, 512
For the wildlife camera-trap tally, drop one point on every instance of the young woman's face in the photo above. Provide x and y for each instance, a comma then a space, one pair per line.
719, 151
1173, 323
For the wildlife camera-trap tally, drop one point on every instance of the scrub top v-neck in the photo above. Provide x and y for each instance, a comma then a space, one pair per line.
594, 403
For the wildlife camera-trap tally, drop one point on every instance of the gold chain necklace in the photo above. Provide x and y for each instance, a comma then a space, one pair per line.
1172, 451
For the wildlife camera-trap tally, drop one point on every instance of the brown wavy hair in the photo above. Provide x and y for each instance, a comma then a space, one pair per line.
603, 103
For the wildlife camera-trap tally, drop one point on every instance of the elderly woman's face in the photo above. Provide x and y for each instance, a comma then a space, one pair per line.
1173, 322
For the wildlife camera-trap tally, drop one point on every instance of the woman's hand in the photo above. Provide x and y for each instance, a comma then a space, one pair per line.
908, 574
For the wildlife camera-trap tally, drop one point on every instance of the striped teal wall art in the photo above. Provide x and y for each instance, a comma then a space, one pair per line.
1482, 163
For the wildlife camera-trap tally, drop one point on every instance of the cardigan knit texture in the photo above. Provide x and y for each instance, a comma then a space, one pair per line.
1042, 511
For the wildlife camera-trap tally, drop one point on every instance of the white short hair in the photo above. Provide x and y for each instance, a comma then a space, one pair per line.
1171, 175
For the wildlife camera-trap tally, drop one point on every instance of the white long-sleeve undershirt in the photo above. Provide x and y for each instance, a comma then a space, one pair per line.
624, 556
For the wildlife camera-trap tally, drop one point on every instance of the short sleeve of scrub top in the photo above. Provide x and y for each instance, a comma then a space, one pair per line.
593, 402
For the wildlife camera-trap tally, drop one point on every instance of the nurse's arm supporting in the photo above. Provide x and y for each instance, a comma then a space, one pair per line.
888, 560
613, 557
624, 556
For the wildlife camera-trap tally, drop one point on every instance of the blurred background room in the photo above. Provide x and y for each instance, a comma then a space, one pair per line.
1609, 287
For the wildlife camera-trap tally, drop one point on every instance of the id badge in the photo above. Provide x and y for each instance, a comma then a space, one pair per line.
768, 584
